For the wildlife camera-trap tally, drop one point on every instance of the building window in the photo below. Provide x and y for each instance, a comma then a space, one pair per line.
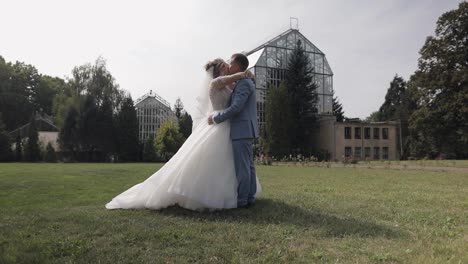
385, 153
376, 133
357, 133
376, 153
367, 153
385, 133
348, 152
357, 152
367, 132
347, 132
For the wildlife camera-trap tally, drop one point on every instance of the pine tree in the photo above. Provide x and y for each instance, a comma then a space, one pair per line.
398, 107
127, 130
105, 130
276, 140
87, 138
149, 151
303, 99
338, 109
69, 135
5, 143
185, 125
396, 102
50, 155
32, 150
178, 108
184, 120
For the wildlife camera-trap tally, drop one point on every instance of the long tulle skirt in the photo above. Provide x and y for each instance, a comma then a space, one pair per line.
199, 176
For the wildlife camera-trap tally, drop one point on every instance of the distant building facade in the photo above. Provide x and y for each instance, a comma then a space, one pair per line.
152, 110
353, 138
359, 140
46, 130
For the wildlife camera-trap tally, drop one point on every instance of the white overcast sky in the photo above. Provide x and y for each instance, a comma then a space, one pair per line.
162, 45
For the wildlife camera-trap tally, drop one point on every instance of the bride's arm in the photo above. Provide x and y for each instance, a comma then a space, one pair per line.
223, 81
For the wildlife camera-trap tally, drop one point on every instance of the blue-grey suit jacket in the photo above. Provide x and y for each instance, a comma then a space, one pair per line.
242, 111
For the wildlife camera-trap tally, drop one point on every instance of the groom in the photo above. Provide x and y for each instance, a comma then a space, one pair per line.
242, 112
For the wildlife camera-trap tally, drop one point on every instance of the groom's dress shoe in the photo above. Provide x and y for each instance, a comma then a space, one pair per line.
247, 205
244, 206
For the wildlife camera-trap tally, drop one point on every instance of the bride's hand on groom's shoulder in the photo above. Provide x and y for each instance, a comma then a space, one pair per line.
249, 75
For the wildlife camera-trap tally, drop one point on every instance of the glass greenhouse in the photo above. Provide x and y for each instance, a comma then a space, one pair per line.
152, 110
269, 62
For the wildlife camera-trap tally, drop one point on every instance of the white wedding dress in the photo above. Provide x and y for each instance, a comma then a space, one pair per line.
201, 174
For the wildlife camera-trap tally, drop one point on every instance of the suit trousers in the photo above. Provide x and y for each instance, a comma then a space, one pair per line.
245, 171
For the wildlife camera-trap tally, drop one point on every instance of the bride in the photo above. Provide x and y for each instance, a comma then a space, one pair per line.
201, 175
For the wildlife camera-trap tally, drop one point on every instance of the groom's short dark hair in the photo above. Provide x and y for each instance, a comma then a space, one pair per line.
241, 60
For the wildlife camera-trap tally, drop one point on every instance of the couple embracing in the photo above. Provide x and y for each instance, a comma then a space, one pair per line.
214, 168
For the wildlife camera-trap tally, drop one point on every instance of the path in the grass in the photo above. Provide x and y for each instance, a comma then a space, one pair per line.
370, 166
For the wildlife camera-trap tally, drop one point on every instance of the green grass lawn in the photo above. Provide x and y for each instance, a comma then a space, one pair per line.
54, 213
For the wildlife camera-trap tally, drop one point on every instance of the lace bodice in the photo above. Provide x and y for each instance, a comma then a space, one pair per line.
220, 98
220, 92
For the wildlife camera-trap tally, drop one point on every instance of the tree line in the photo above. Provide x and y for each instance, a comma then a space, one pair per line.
432, 105
96, 118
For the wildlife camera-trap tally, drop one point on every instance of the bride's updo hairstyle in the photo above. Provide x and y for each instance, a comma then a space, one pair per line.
216, 64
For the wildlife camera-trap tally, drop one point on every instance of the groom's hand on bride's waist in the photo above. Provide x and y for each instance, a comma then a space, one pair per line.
210, 120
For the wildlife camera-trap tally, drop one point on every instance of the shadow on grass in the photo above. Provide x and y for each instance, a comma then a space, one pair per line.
268, 211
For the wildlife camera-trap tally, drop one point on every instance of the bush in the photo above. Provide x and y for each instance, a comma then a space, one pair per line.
168, 140
349, 160
264, 159
322, 155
